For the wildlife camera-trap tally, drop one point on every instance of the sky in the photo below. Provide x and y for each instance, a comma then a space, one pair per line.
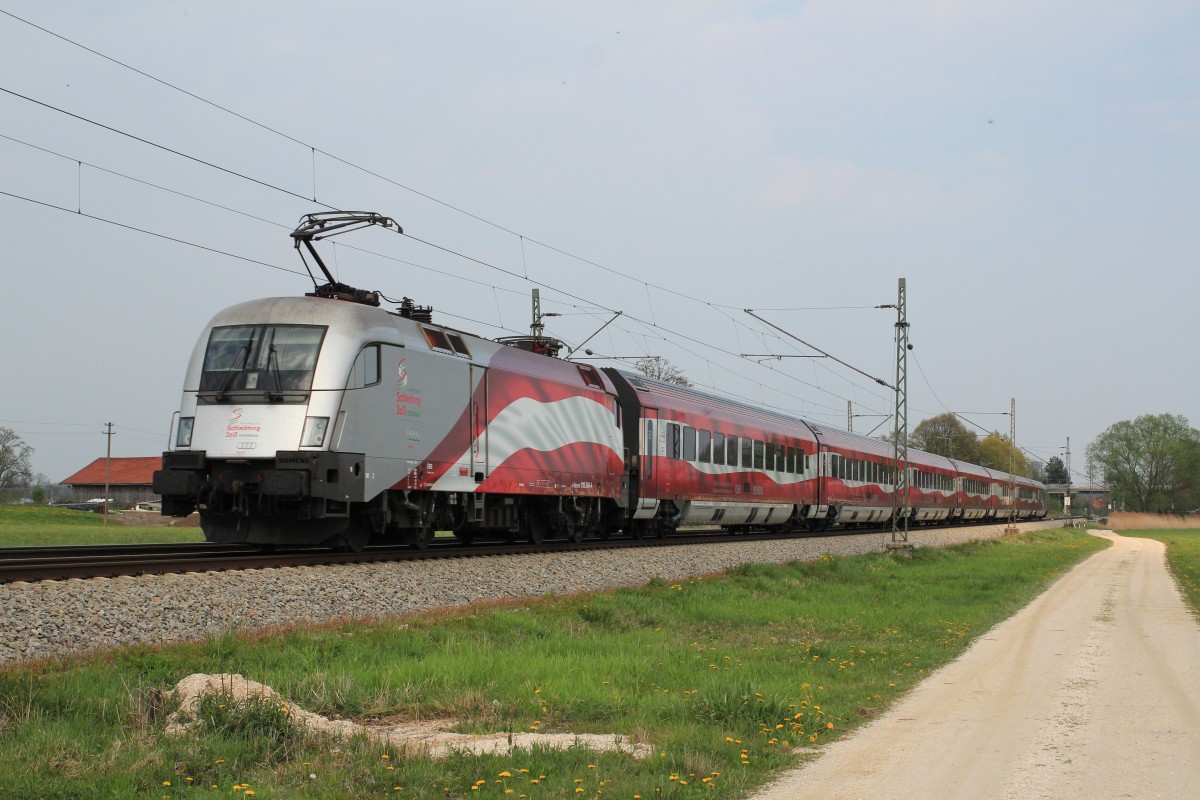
1031, 169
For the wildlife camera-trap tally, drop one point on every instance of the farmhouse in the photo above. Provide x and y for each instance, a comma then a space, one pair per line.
129, 480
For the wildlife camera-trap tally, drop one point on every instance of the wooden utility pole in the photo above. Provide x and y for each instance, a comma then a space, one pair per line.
107, 467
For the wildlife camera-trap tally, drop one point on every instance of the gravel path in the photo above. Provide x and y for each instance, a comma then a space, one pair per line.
55, 618
1087, 692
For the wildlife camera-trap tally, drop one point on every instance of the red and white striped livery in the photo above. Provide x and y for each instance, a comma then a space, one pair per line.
322, 421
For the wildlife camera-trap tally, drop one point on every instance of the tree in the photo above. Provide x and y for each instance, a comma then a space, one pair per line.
997, 452
1150, 463
661, 369
946, 436
1056, 471
15, 455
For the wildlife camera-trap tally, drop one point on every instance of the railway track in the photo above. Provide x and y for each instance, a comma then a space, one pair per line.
31, 564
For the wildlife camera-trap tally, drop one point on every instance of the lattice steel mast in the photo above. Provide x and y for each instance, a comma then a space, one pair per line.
901, 501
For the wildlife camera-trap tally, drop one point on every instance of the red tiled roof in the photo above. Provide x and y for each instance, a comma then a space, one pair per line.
123, 472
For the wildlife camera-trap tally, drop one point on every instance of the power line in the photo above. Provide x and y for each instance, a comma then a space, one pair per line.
150, 233
652, 323
163, 147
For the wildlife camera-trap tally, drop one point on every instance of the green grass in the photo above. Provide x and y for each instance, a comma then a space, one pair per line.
1183, 557
729, 678
29, 526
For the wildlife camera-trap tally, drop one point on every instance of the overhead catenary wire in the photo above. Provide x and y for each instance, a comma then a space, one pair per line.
283, 190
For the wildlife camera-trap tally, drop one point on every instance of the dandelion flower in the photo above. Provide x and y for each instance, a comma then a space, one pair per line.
506, 774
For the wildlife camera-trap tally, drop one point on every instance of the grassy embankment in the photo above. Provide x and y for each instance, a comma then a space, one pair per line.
1181, 535
729, 678
42, 526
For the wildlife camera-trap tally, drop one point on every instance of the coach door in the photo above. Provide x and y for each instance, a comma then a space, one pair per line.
479, 427
648, 482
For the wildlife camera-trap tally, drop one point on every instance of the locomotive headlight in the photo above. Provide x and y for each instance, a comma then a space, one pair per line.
183, 437
314, 431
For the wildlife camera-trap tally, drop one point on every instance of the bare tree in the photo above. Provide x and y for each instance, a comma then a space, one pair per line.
661, 369
15, 455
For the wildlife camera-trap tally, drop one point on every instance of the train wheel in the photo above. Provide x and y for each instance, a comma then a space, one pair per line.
420, 538
534, 528
355, 538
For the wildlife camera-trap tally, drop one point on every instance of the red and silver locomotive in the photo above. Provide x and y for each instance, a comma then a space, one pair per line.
326, 419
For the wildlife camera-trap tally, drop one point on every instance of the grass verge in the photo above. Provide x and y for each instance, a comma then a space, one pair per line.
729, 678
45, 526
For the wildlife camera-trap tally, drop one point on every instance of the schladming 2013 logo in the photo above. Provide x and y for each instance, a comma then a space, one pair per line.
401, 374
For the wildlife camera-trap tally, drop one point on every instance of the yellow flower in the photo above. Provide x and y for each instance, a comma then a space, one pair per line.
506, 774
578, 789
829, 725
166, 783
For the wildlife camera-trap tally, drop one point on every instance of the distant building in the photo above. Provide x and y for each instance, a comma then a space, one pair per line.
129, 480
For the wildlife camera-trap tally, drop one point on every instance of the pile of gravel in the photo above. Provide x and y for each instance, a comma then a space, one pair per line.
56, 618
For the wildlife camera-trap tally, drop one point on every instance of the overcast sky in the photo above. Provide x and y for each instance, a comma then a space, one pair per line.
1031, 168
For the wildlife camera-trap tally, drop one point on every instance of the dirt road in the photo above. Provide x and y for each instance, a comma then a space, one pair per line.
1092, 691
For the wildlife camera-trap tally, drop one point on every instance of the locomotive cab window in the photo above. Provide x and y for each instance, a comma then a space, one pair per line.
365, 371
268, 363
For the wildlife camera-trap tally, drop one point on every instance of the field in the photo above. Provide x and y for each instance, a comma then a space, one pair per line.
41, 526
728, 679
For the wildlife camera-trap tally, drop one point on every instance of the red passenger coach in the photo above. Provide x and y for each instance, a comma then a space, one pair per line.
705, 460
857, 476
973, 492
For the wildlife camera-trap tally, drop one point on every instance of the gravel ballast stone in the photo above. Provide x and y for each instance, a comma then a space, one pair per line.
57, 618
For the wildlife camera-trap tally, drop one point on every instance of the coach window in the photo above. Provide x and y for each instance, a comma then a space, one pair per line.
689, 444
674, 445
718, 448
758, 455
731, 451
747, 453
705, 446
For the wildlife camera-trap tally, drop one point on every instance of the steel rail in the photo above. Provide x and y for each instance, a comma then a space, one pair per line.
31, 564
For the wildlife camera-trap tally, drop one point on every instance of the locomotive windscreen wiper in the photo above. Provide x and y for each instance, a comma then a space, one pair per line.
244, 357
273, 369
